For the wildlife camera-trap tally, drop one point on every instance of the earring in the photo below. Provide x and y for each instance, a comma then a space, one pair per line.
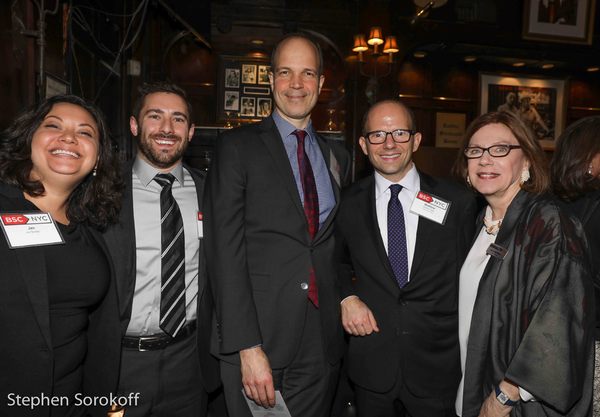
469, 181
525, 176
94, 171
591, 170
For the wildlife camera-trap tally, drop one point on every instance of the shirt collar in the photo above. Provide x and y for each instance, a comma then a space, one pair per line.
410, 181
285, 128
146, 172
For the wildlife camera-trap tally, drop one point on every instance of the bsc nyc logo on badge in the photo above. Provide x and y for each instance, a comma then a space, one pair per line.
30, 229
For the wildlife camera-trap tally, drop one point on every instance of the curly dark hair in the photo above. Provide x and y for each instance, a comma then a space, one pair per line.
575, 149
540, 180
97, 199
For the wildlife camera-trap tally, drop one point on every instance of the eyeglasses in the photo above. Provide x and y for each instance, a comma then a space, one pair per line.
497, 151
377, 137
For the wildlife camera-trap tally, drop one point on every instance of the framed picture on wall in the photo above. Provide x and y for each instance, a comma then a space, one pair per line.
539, 102
248, 74
263, 74
244, 91
569, 21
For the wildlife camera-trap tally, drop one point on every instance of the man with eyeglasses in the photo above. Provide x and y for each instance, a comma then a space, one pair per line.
406, 235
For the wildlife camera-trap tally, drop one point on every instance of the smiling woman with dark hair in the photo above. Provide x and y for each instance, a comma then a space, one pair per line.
526, 312
58, 309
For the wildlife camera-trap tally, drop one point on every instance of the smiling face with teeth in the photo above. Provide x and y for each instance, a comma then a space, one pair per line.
496, 178
164, 130
65, 145
392, 160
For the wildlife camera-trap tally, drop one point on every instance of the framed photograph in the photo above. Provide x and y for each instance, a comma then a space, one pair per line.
449, 129
248, 106
232, 78
241, 95
539, 102
232, 101
570, 21
263, 108
263, 74
248, 74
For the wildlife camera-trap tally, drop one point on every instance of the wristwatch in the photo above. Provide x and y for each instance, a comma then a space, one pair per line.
503, 398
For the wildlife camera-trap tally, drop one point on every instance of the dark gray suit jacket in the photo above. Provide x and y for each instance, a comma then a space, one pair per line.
121, 242
259, 252
418, 337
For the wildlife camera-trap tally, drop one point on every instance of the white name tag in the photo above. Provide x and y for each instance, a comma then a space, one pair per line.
30, 229
431, 207
200, 227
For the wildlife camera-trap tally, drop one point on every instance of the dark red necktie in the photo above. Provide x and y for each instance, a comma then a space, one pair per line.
311, 205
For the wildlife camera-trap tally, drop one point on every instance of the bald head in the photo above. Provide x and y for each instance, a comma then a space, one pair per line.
389, 105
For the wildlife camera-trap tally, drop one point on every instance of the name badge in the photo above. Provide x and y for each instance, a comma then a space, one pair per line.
30, 229
496, 251
431, 207
200, 227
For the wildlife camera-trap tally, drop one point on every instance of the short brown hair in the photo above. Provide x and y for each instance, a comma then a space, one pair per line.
160, 87
539, 180
575, 149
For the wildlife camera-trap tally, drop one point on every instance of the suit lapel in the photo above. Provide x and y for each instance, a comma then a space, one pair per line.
199, 183
120, 240
272, 140
335, 183
367, 206
426, 230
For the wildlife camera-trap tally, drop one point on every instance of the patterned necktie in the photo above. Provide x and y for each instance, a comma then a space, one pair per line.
311, 205
172, 289
397, 251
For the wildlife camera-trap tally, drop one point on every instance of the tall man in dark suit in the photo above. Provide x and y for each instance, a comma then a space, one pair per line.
165, 300
272, 193
407, 235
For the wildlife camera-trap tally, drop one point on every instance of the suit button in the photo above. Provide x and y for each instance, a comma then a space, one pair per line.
304, 286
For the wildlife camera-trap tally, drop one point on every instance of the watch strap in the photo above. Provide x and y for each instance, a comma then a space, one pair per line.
503, 398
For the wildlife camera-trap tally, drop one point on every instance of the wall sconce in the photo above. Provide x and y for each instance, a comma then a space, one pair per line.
375, 39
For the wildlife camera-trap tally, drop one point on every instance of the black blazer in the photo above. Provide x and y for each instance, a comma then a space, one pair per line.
121, 242
418, 324
26, 357
259, 251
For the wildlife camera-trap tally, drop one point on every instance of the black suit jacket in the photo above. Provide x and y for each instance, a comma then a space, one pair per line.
259, 251
26, 358
418, 324
121, 241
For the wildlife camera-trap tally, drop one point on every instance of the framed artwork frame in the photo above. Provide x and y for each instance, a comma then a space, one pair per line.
539, 102
570, 21
244, 90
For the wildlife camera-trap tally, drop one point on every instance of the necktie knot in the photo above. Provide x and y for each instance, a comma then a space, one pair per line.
395, 190
164, 179
300, 135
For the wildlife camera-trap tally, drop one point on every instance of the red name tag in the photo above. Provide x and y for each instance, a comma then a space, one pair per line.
425, 197
200, 216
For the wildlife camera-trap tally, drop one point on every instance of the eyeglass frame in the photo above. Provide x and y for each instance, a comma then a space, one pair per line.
411, 133
484, 150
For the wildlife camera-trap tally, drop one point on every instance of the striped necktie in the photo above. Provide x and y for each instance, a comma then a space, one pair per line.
172, 289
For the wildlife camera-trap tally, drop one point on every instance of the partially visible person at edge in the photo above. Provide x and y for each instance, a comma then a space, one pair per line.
58, 306
575, 174
526, 311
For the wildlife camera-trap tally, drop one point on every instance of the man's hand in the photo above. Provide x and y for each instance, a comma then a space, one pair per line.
357, 318
491, 406
257, 378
